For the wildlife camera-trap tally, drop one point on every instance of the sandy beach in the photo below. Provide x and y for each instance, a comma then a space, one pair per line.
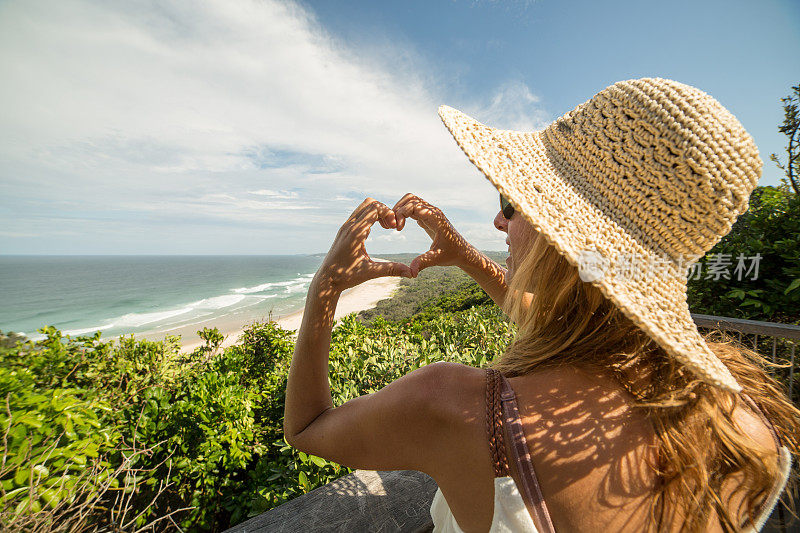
364, 296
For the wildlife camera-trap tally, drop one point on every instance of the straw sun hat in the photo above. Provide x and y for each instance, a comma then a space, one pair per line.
632, 187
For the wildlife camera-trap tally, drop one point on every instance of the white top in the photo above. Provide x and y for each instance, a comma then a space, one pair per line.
511, 515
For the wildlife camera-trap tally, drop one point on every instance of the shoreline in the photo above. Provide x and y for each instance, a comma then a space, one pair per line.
353, 300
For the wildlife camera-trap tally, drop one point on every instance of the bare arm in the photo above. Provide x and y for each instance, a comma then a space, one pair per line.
400, 426
308, 393
490, 276
487, 273
346, 265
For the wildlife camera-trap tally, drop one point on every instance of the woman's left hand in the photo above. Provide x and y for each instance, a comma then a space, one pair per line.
347, 263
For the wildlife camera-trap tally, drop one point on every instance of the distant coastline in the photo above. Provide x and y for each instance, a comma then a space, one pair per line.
359, 298
152, 297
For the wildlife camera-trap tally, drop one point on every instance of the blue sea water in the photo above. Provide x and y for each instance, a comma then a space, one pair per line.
146, 294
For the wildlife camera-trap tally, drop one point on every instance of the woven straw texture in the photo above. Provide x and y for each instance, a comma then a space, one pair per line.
648, 172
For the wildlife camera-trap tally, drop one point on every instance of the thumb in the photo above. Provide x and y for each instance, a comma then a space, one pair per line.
425, 260
379, 269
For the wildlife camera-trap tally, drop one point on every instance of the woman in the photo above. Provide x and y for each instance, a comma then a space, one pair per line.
626, 418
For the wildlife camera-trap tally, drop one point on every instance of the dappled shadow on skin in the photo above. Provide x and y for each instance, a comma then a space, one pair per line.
361, 501
493, 271
593, 454
591, 448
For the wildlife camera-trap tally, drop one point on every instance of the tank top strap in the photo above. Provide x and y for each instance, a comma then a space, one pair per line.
530, 491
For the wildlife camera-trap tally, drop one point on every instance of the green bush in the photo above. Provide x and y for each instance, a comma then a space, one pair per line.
133, 432
771, 228
57, 430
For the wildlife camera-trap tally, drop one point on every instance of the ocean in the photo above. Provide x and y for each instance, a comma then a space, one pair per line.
149, 296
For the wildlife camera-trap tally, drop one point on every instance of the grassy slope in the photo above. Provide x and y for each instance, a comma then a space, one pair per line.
436, 288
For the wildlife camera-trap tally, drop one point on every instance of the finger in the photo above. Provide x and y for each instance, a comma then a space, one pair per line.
389, 220
408, 197
423, 212
386, 222
376, 211
377, 269
366, 211
431, 231
423, 261
358, 211
367, 216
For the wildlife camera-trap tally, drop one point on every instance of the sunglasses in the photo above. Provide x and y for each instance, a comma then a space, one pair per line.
506, 207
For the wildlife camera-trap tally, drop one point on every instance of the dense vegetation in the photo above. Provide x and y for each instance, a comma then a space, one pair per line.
435, 290
771, 229
134, 435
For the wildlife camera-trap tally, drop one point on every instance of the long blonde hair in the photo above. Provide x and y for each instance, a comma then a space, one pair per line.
564, 321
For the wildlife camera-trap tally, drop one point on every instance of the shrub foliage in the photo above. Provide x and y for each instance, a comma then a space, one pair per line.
133, 434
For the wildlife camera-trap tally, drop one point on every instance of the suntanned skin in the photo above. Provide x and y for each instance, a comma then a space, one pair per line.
589, 449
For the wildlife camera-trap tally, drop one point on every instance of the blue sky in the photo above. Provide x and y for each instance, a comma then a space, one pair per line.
257, 127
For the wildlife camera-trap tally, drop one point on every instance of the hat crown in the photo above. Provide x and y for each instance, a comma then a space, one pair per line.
665, 160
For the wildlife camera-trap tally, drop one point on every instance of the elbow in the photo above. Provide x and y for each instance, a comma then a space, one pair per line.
290, 431
288, 435
291, 434
301, 438
294, 440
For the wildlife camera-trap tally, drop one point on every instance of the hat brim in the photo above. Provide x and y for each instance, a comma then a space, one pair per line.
549, 194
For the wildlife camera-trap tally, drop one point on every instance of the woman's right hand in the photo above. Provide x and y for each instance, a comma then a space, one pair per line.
448, 247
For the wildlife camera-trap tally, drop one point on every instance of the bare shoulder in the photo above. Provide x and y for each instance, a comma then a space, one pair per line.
449, 387
461, 458
405, 425
750, 423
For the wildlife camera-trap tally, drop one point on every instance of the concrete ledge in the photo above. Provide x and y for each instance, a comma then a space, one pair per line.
362, 501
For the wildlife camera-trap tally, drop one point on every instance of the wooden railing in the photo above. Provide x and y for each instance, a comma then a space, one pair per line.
768, 338
401, 500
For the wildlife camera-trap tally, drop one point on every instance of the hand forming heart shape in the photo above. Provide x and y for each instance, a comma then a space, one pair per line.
348, 264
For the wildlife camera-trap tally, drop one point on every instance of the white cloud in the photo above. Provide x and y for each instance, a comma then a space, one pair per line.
17, 234
274, 194
391, 237
513, 107
169, 111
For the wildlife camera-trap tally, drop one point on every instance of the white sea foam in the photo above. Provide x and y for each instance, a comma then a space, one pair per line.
181, 316
136, 320
182, 320
218, 302
84, 331
297, 287
140, 319
257, 288
291, 285
262, 287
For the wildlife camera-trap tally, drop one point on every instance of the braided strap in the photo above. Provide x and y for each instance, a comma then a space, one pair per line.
494, 424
